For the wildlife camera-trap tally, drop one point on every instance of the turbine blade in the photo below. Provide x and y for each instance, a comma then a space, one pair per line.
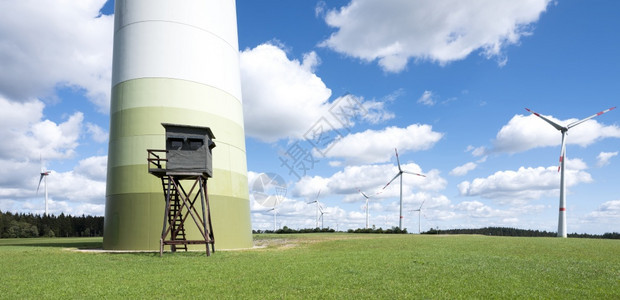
558, 127
392, 180
317, 195
563, 151
40, 179
414, 173
397, 159
368, 197
588, 118
421, 205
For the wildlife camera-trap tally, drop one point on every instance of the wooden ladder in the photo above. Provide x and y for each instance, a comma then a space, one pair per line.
175, 215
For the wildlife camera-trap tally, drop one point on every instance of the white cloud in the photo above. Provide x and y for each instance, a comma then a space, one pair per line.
427, 99
26, 136
376, 146
78, 191
373, 112
47, 46
319, 9
476, 151
93, 168
395, 31
371, 179
335, 163
86, 183
608, 210
27, 139
479, 151
296, 213
284, 98
97, 133
526, 132
37, 206
525, 183
310, 62
53, 44
341, 187
478, 209
604, 157
463, 169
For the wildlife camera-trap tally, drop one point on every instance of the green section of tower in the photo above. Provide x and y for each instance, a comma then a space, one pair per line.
135, 199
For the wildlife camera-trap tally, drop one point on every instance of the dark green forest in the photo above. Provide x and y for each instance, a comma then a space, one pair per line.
29, 225
503, 231
15, 225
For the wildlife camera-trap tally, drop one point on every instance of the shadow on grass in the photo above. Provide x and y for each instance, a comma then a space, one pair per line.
79, 243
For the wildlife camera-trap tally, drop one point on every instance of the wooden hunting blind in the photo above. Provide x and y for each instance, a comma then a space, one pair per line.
189, 149
187, 157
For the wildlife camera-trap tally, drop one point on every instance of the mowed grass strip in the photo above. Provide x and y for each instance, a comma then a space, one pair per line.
322, 266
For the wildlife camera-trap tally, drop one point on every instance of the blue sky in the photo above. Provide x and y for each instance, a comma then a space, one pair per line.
445, 84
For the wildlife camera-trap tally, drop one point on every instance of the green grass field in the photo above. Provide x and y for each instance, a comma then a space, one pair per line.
320, 266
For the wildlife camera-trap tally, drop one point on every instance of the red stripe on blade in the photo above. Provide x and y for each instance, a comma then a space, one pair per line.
562, 209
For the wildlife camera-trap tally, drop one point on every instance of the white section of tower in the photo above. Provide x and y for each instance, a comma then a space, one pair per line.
199, 45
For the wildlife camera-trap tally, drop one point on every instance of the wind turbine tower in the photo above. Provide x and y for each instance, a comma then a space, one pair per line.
367, 198
174, 62
400, 174
318, 209
419, 210
564, 130
275, 218
44, 174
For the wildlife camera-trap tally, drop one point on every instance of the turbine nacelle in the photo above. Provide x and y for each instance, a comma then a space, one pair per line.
401, 171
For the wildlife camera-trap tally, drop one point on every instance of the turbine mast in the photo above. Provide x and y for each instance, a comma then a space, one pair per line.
562, 213
45, 178
366, 213
400, 220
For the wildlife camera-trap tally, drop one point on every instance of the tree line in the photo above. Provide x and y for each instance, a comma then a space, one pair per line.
28, 225
505, 231
286, 230
497, 231
16, 225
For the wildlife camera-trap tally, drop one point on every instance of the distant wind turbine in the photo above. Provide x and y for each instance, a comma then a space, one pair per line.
44, 173
318, 209
322, 213
400, 174
419, 210
269, 191
275, 220
367, 197
564, 130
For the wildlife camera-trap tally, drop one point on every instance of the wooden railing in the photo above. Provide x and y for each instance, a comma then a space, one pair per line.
155, 160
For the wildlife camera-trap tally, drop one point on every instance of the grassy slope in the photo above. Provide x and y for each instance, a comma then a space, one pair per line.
321, 266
